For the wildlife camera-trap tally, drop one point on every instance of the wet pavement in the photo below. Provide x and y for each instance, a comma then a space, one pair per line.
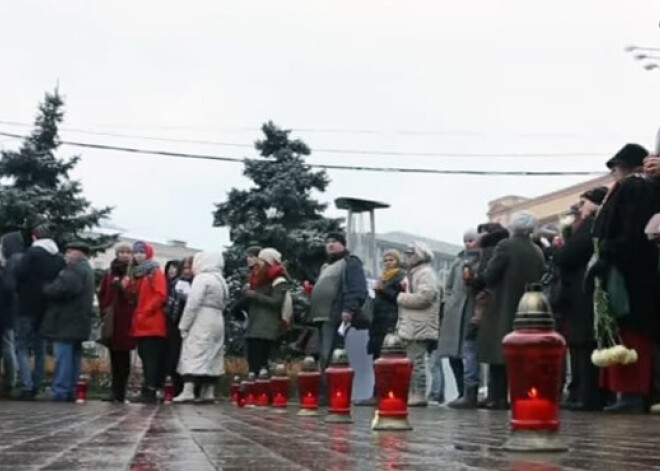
101, 436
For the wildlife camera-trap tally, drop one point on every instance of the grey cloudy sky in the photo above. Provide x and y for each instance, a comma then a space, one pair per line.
510, 76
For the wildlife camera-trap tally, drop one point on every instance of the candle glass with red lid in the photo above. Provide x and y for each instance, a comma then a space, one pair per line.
393, 370
168, 391
534, 354
250, 397
241, 394
309, 381
279, 387
81, 389
262, 388
339, 376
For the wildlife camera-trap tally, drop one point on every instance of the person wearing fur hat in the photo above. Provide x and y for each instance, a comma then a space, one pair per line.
576, 306
149, 318
265, 294
622, 245
458, 313
117, 300
515, 263
419, 308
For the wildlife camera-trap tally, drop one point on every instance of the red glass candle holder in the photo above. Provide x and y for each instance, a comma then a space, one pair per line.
241, 395
534, 355
233, 389
339, 376
279, 387
309, 381
393, 371
168, 391
250, 393
81, 389
262, 388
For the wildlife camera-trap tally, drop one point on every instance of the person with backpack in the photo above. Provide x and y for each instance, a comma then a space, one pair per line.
202, 328
266, 294
338, 295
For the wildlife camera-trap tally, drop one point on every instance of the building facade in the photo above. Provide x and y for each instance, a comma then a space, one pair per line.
547, 208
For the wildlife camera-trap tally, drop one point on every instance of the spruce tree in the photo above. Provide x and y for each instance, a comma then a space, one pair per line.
36, 187
279, 210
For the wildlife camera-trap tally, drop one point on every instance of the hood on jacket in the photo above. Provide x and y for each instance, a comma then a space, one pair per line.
48, 245
422, 252
206, 262
12, 243
141, 246
491, 239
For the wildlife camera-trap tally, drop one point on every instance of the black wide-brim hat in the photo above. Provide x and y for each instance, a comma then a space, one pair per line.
630, 156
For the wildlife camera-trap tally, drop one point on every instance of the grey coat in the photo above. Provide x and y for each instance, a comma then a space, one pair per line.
458, 307
515, 263
70, 304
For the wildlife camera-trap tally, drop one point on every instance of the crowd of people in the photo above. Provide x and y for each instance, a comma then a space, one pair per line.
175, 315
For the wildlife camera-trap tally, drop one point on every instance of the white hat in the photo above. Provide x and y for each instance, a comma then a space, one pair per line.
271, 256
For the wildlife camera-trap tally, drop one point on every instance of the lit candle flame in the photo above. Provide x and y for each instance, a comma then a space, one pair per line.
533, 393
391, 395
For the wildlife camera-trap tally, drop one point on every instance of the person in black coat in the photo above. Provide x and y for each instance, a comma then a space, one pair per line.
576, 308
68, 320
619, 230
40, 264
13, 247
385, 307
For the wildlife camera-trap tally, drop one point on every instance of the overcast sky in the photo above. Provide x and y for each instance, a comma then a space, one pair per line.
487, 76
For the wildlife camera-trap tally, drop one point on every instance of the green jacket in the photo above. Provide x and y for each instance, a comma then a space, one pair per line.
265, 311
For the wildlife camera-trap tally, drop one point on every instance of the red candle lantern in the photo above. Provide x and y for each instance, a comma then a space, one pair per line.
233, 389
279, 387
534, 354
309, 381
339, 376
250, 397
81, 389
393, 370
262, 388
241, 395
168, 391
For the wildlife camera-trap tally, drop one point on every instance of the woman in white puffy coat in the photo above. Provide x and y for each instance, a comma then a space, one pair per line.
202, 329
419, 308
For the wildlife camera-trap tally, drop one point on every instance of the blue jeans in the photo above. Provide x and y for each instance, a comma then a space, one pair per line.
28, 337
471, 367
68, 357
9, 358
437, 377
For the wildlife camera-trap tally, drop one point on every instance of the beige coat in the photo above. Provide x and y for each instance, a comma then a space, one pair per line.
419, 307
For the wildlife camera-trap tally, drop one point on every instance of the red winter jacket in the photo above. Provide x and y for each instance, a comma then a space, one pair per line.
149, 317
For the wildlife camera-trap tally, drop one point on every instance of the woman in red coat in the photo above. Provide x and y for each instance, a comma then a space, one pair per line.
116, 294
149, 319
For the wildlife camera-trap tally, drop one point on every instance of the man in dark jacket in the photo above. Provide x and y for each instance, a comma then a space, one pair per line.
68, 319
39, 266
576, 307
13, 247
338, 295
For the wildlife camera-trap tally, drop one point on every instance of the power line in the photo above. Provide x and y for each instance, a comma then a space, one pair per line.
330, 150
319, 166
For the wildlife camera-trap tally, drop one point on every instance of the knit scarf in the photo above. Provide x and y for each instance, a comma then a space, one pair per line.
389, 273
146, 268
262, 276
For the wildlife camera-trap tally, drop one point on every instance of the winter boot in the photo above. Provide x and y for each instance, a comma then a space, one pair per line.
207, 394
627, 404
468, 401
187, 395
